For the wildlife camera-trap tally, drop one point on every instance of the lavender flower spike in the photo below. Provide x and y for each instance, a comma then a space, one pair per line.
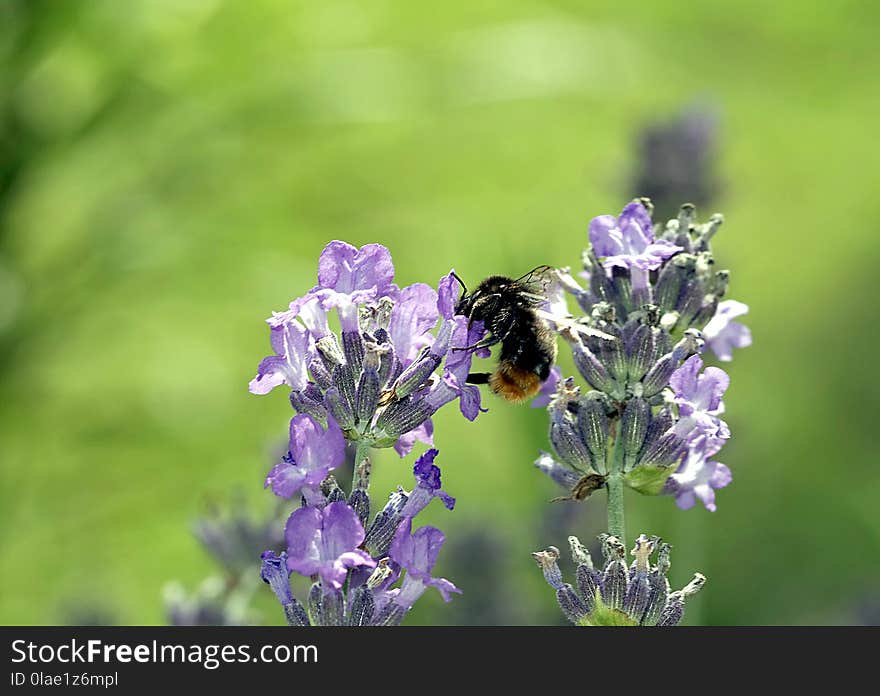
325, 542
428, 478
312, 454
722, 334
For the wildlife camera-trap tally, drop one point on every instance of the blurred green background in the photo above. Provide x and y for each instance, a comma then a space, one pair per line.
169, 172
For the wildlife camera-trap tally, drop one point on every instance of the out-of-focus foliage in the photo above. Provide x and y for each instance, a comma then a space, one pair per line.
169, 172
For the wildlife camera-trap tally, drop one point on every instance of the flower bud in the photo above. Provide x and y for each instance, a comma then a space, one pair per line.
339, 408
592, 424
402, 416
354, 348
362, 607
641, 350
367, 395
591, 369
546, 560
614, 359
415, 376
572, 606
633, 427
564, 476
332, 608
359, 501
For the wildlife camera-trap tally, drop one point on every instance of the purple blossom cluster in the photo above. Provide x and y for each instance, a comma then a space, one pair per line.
651, 303
374, 383
356, 566
389, 368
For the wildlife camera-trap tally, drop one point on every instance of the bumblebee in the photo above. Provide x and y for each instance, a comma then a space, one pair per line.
508, 309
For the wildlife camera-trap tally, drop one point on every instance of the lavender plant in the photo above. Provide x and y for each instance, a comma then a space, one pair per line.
374, 384
650, 418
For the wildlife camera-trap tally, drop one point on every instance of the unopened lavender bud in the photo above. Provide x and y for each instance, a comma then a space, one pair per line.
708, 230
689, 301
674, 609
641, 350
339, 408
415, 376
367, 395
359, 501
671, 614
381, 533
568, 445
614, 359
391, 615
353, 347
547, 561
405, 415
320, 374
591, 369
718, 284
275, 574
660, 423
592, 423
363, 605
691, 343
588, 582
686, 215
343, 380
614, 584
634, 426
664, 451
332, 608
314, 604
572, 606
600, 285
706, 311
673, 274
310, 401
389, 366
563, 475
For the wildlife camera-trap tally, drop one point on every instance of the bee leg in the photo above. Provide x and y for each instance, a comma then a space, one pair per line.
485, 343
478, 378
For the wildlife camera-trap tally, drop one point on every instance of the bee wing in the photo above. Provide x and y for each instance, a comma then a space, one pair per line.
535, 275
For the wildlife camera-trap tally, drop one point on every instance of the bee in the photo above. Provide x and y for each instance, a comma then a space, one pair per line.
508, 309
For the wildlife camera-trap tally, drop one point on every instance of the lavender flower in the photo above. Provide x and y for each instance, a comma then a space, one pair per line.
427, 488
313, 453
353, 568
698, 476
617, 595
416, 553
384, 376
324, 542
651, 411
722, 334
628, 242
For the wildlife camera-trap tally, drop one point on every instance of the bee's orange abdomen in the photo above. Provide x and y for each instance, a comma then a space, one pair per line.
514, 383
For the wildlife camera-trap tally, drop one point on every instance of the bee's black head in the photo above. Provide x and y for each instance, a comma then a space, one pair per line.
495, 287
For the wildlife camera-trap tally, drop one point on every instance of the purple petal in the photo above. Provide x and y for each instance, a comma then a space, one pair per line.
444, 587
426, 473
345, 269
447, 499
412, 318
470, 400
548, 388
723, 335
448, 291
290, 340
684, 380
313, 449
422, 433
285, 479
635, 215
605, 236
417, 553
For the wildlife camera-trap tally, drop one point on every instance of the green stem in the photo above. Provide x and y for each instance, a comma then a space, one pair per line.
615, 491
362, 466
615, 506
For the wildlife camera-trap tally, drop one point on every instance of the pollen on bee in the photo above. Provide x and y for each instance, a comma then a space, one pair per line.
514, 383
